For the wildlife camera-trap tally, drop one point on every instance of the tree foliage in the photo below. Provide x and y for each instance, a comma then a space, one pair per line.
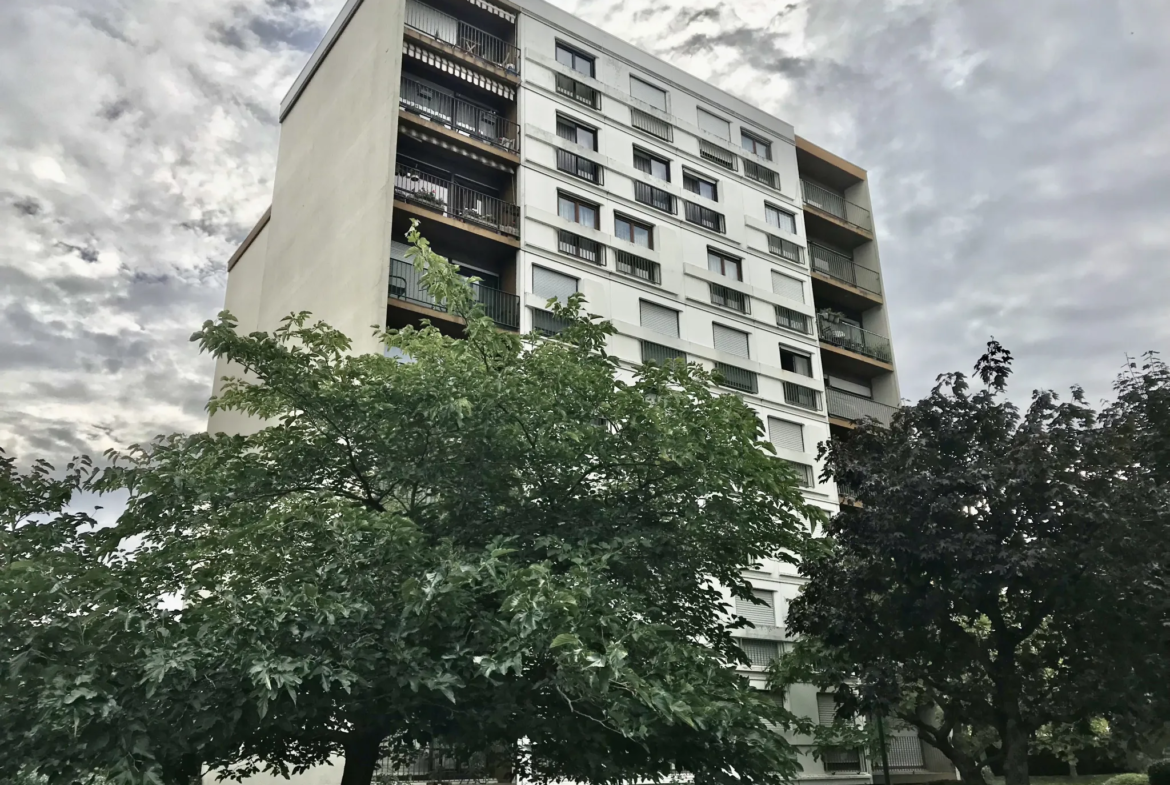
1006, 567
474, 542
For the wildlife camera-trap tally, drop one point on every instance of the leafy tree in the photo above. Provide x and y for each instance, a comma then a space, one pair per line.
481, 541
1004, 572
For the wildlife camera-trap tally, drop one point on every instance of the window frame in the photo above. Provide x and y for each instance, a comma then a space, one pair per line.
677, 318
577, 202
757, 142
652, 157
665, 93
772, 208
568, 119
691, 174
576, 53
745, 333
633, 222
713, 116
724, 258
797, 353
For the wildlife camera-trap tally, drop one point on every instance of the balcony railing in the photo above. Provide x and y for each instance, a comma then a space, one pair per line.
655, 197
839, 266
738, 378
793, 320
717, 155
455, 200
842, 760
657, 353
854, 408
579, 167
629, 264
579, 92
804, 397
475, 42
434, 765
837, 205
405, 284
761, 174
725, 297
460, 116
582, 247
705, 217
651, 125
904, 752
784, 248
547, 322
855, 339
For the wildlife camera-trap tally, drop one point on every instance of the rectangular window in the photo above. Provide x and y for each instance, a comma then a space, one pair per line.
787, 286
826, 708
717, 155
793, 320
648, 93
549, 284
581, 247
786, 435
759, 615
804, 397
753, 171
754, 144
659, 319
726, 297
714, 125
581, 63
654, 197
796, 362
651, 164
633, 231
578, 211
577, 133
804, 474
704, 217
579, 166
724, 265
781, 219
730, 341
578, 91
700, 185
737, 378
647, 122
628, 264
760, 653
859, 387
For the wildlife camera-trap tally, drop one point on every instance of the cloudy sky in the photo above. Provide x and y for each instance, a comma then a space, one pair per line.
1019, 153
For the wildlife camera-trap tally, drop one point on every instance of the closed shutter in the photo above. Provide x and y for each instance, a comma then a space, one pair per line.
398, 251
826, 708
714, 125
548, 283
760, 653
759, 615
659, 319
786, 435
787, 286
731, 341
652, 95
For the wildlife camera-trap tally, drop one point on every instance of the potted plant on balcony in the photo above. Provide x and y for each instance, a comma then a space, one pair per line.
832, 324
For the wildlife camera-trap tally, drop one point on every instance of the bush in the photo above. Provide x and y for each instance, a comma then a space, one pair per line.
1127, 779
1159, 772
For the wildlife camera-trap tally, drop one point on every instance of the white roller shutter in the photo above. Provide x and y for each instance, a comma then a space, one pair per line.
760, 653
549, 283
787, 286
644, 91
731, 341
714, 125
826, 708
786, 435
759, 615
659, 319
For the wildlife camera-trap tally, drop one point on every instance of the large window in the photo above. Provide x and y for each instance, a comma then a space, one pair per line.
659, 319
653, 165
796, 362
781, 219
730, 341
648, 93
633, 231
575, 132
754, 144
760, 615
724, 265
581, 63
786, 435
702, 186
787, 286
549, 284
714, 125
578, 211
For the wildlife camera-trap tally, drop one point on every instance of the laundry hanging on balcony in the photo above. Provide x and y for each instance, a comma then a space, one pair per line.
466, 74
494, 10
422, 136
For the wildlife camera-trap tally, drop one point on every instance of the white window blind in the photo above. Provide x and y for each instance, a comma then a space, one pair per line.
786, 435
826, 708
787, 286
548, 283
731, 341
759, 615
659, 319
714, 125
644, 91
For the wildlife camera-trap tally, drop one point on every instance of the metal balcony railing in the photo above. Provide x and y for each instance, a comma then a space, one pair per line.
841, 760
451, 111
855, 339
717, 155
547, 322
904, 752
475, 42
841, 267
738, 378
657, 353
455, 200
579, 167
651, 125
793, 320
405, 284
705, 217
629, 264
784, 248
761, 174
855, 408
578, 91
655, 197
582, 247
434, 765
725, 297
837, 205
804, 397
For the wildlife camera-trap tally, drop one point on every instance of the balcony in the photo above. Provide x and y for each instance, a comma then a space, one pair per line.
659, 354
650, 124
854, 339
718, 156
573, 164
842, 268
835, 204
854, 408
579, 92
654, 197
738, 378
724, 297
451, 199
462, 37
581, 247
804, 397
461, 116
705, 217
629, 264
501, 307
762, 175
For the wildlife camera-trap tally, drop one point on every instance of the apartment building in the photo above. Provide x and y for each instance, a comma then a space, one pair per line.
547, 157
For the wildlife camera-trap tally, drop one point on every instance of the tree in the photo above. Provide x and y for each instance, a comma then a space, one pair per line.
475, 542
1004, 572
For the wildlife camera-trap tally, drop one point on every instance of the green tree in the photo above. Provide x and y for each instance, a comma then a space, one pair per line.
473, 543
1004, 572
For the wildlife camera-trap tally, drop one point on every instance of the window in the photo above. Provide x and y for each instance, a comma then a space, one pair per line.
760, 653
633, 231
549, 284
754, 144
804, 474
781, 219
628, 264
787, 286
654, 197
793, 320
578, 91
581, 247
579, 166
659, 319
580, 212
786, 435
759, 615
753, 171
651, 164
704, 217
724, 265
701, 186
796, 362
730, 341
648, 93
575, 132
581, 63
714, 125
859, 387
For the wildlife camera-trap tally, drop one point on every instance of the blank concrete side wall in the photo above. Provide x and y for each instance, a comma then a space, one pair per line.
329, 240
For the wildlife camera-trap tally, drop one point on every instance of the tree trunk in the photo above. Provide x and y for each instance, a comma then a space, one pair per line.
1015, 752
969, 770
361, 759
